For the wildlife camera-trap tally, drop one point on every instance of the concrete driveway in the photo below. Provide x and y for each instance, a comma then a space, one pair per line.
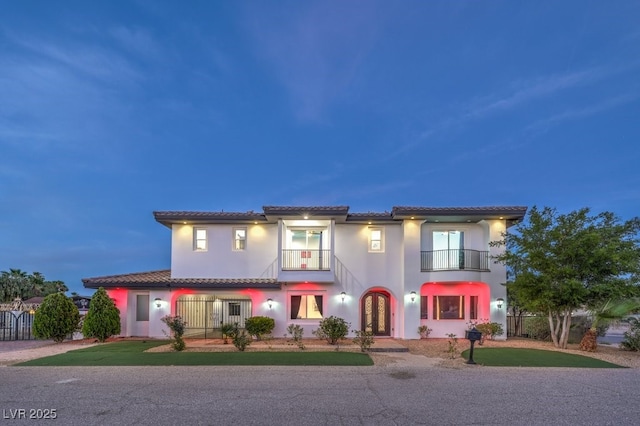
400, 393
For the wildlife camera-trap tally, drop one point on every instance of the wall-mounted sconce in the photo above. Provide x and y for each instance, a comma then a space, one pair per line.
270, 302
158, 302
413, 296
343, 295
500, 301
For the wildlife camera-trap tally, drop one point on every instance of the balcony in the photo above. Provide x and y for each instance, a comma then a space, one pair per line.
454, 260
306, 260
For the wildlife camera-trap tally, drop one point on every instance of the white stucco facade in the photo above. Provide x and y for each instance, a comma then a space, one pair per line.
388, 272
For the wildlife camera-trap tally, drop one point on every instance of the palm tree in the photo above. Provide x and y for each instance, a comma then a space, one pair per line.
14, 284
610, 311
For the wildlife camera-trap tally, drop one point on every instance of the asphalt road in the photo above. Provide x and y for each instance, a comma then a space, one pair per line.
379, 395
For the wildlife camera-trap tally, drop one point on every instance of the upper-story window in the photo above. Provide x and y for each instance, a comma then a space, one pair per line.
376, 240
448, 249
200, 239
239, 239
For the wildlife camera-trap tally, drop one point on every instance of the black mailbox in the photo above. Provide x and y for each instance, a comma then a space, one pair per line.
473, 335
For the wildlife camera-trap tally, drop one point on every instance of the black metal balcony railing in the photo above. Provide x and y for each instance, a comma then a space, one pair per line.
456, 259
306, 260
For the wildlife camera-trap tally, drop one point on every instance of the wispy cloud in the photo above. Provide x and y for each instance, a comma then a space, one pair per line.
136, 40
523, 92
579, 113
517, 95
315, 53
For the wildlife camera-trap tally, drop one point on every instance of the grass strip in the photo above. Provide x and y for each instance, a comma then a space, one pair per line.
521, 357
132, 354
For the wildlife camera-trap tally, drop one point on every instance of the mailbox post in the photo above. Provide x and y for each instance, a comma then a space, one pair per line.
473, 336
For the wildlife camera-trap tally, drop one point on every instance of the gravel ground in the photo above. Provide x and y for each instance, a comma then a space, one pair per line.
438, 348
434, 349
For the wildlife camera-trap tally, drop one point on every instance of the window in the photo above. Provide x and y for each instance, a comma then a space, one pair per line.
306, 306
234, 308
239, 239
142, 307
424, 307
376, 240
448, 307
473, 307
200, 239
448, 249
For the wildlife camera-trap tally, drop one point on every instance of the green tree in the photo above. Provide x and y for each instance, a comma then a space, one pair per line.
103, 319
558, 263
609, 311
56, 318
17, 284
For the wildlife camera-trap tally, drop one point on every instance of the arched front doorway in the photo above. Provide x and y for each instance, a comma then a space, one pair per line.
376, 313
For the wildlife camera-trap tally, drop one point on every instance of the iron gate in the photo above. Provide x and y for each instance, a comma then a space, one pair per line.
16, 325
205, 315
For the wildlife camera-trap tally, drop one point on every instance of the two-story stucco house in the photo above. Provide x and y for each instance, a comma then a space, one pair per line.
389, 272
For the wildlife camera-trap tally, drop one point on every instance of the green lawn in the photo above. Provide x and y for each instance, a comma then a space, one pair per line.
519, 357
132, 353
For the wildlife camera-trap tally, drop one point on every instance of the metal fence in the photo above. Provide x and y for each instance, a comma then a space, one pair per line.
16, 325
205, 315
306, 260
454, 259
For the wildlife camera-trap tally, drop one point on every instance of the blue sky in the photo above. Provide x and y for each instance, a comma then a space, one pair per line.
111, 110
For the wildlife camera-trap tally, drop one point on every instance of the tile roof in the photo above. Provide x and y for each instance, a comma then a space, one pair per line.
459, 210
162, 279
313, 210
341, 214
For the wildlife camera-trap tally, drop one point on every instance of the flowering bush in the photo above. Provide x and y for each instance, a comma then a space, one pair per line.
177, 326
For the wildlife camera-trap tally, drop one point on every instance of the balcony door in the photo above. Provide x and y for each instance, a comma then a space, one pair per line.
448, 249
304, 249
376, 313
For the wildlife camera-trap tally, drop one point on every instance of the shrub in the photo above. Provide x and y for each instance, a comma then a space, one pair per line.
296, 334
490, 329
177, 326
228, 331
424, 331
537, 328
631, 341
56, 318
332, 329
241, 340
364, 339
452, 350
103, 319
259, 326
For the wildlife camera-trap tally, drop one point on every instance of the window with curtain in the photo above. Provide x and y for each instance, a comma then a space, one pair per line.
306, 306
448, 307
